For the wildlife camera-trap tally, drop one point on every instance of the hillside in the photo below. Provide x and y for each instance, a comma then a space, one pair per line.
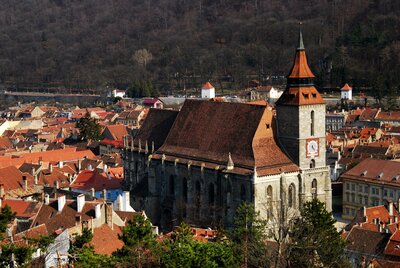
99, 43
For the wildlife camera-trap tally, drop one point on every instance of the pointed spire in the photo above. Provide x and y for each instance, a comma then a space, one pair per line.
152, 147
146, 148
140, 145
301, 43
230, 164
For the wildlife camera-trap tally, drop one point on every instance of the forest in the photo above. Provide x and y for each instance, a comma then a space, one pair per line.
179, 44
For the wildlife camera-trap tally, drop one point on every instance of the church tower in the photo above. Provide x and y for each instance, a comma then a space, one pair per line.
301, 115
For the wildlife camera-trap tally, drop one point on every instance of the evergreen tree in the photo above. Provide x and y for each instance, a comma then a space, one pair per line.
140, 247
249, 236
6, 216
89, 129
314, 241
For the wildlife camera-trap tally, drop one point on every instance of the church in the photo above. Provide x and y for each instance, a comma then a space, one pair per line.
199, 164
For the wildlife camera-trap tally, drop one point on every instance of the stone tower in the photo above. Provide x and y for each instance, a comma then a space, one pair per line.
301, 115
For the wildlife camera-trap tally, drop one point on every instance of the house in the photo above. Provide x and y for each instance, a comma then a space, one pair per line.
207, 91
114, 132
370, 183
117, 93
153, 103
346, 92
131, 117
392, 118
106, 184
335, 121
374, 234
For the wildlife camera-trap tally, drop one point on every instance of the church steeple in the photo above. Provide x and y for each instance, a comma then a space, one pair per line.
300, 88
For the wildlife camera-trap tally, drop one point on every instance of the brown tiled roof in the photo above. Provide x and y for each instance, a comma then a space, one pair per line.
34, 232
378, 263
55, 220
370, 150
5, 143
117, 131
368, 114
366, 241
105, 240
209, 131
375, 170
89, 179
11, 178
389, 116
156, 127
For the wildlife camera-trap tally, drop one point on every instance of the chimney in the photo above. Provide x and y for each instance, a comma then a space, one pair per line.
24, 183
93, 192
1, 202
78, 219
105, 168
35, 178
79, 165
105, 194
120, 203
80, 202
109, 215
391, 208
46, 199
98, 211
57, 184
126, 200
2, 192
50, 168
61, 202
365, 213
33, 171
61, 164
40, 161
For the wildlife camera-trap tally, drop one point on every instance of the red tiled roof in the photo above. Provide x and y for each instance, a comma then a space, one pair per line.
151, 101
207, 86
389, 116
89, 179
11, 178
115, 143
368, 114
346, 87
300, 96
22, 208
117, 131
105, 240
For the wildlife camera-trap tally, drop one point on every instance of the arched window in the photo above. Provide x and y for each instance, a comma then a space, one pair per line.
211, 193
243, 192
184, 189
312, 123
312, 163
291, 196
171, 185
314, 188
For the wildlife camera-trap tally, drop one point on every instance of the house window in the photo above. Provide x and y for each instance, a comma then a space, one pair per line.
353, 187
312, 123
366, 200
347, 186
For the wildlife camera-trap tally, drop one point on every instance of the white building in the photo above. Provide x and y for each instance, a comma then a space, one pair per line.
346, 92
207, 91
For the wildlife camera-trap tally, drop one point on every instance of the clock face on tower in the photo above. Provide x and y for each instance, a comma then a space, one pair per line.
312, 147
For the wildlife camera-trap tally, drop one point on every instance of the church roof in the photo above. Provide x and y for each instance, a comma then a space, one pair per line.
300, 67
156, 127
300, 96
208, 131
346, 87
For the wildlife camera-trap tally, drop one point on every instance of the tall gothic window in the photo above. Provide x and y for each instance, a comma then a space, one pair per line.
312, 123
291, 196
184, 189
269, 201
211, 194
171, 185
243, 192
314, 188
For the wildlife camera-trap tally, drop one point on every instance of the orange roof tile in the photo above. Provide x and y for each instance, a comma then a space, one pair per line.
105, 240
346, 87
300, 67
207, 86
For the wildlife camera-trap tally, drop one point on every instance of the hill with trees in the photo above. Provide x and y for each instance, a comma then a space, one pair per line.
176, 44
